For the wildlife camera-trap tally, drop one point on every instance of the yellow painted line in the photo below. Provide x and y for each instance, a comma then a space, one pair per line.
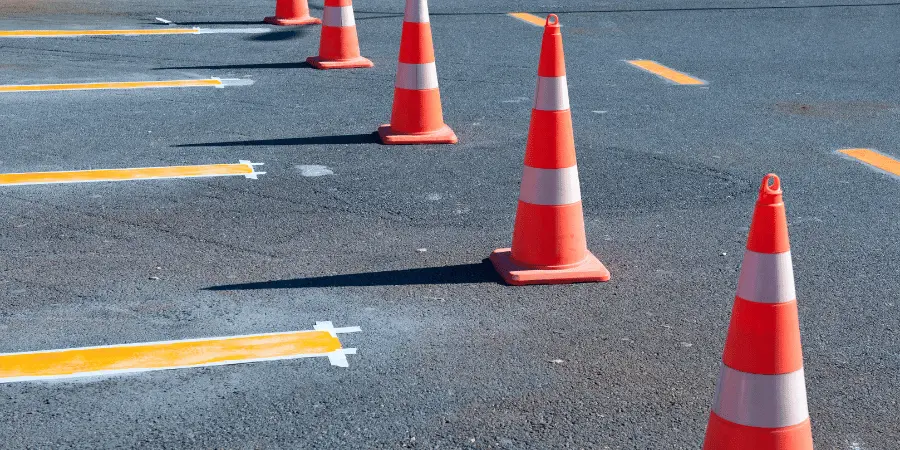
63, 33
110, 85
874, 159
244, 168
150, 356
530, 18
665, 72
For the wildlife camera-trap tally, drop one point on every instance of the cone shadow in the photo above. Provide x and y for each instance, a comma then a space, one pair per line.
285, 35
457, 274
367, 138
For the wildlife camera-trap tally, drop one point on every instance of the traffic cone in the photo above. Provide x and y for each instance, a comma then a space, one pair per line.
291, 12
339, 44
760, 401
549, 245
417, 117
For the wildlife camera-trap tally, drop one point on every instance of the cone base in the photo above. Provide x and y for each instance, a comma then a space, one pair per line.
590, 270
445, 135
724, 435
306, 20
355, 63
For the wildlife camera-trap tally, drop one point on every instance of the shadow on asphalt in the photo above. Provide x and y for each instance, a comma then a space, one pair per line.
289, 65
285, 35
366, 138
461, 273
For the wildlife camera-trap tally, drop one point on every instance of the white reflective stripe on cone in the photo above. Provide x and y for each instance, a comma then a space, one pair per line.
338, 16
765, 401
550, 186
416, 11
552, 94
416, 76
766, 278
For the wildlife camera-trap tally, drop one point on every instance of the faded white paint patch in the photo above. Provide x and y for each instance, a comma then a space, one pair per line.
235, 81
314, 170
434, 197
517, 100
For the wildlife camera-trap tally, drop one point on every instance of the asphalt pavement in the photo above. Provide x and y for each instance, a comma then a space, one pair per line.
393, 239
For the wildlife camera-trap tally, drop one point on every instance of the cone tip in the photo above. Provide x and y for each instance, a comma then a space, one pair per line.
771, 184
770, 189
552, 21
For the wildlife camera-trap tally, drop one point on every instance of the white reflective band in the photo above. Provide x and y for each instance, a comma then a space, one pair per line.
550, 186
338, 16
552, 94
766, 278
416, 11
416, 76
765, 401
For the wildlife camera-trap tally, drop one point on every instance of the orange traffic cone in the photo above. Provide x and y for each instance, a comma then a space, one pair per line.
760, 401
339, 44
291, 12
549, 245
417, 117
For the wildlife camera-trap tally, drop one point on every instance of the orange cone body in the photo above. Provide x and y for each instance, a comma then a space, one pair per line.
549, 244
292, 12
339, 44
417, 117
760, 401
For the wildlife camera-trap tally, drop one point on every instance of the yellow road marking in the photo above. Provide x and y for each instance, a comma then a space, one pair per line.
60, 33
665, 72
110, 85
244, 168
149, 356
530, 18
874, 159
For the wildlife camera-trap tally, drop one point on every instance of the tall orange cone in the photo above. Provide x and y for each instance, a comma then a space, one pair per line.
417, 117
291, 12
339, 44
760, 401
549, 244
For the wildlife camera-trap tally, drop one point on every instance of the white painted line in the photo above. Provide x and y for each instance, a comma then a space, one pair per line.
327, 326
253, 175
167, 22
339, 357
